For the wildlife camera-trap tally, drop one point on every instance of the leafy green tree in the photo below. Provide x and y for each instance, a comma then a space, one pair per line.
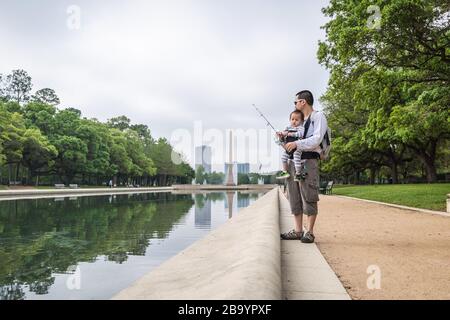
37, 152
41, 140
2, 90
121, 163
3, 136
71, 158
40, 115
253, 177
95, 136
142, 165
122, 123
243, 178
185, 173
399, 89
12, 140
66, 121
47, 96
200, 175
215, 177
18, 86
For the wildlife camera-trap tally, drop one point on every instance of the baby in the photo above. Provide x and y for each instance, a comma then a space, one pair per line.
292, 133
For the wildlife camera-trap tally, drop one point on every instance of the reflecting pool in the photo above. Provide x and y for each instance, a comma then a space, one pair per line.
93, 247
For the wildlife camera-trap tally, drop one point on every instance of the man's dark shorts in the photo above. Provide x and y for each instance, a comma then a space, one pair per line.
303, 196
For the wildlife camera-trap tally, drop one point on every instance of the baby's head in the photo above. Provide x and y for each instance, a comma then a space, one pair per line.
296, 118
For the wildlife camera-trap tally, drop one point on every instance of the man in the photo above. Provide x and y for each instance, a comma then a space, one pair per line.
304, 195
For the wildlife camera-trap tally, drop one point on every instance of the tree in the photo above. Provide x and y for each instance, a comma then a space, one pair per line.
95, 136
121, 163
215, 177
71, 158
40, 115
399, 88
3, 97
200, 175
254, 177
18, 86
142, 165
37, 152
47, 96
11, 135
143, 132
3, 136
122, 123
40, 139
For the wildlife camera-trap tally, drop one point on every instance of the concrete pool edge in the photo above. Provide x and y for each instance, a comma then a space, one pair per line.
6, 195
239, 260
75, 192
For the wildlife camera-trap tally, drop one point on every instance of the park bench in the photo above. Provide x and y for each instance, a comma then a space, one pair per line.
59, 186
326, 188
73, 186
15, 183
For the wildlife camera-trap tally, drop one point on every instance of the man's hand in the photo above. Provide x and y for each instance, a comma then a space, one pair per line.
290, 146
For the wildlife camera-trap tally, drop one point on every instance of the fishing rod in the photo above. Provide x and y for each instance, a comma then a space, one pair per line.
261, 114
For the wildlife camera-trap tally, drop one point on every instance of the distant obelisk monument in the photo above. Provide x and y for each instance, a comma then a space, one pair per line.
230, 180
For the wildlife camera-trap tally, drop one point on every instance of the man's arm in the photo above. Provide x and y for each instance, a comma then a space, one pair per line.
320, 128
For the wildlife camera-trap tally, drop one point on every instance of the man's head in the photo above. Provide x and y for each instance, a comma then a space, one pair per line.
304, 100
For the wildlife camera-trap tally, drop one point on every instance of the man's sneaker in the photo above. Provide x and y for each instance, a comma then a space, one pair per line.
292, 235
283, 175
308, 238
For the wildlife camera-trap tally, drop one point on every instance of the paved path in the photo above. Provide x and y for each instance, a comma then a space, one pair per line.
305, 273
410, 249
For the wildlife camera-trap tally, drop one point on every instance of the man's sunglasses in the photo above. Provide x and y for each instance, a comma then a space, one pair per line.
297, 101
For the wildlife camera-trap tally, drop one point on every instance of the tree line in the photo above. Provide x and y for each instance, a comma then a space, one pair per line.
388, 97
42, 144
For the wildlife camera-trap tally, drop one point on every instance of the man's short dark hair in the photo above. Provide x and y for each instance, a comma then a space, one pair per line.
307, 95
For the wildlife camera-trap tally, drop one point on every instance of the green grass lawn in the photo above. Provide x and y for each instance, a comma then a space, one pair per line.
426, 196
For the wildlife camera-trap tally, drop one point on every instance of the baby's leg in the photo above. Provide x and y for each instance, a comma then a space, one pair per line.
284, 160
298, 162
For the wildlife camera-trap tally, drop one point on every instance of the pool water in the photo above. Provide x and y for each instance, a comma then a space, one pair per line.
93, 247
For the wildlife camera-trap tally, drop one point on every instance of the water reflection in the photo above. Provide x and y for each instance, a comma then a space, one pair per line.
43, 238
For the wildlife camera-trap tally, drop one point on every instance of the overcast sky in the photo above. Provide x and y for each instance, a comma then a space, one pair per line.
168, 64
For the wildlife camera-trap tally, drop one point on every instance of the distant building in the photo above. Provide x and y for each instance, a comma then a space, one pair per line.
243, 168
203, 214
243, 200
240, 167
203, 158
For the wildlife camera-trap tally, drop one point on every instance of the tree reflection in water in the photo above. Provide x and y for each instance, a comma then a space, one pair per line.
42, 237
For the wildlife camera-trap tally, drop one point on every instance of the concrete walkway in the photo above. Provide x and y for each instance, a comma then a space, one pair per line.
305, 273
